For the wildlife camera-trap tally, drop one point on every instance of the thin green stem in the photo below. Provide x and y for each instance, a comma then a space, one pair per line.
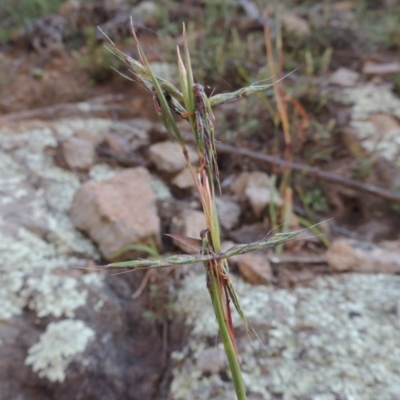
229, 345
192, 104
184, 259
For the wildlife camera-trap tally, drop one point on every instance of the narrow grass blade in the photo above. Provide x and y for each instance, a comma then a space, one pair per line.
170, 122
188, 65
150, 249
238, 94
314, 229
185, 259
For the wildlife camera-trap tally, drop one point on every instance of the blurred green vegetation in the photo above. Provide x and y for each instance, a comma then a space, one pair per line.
14, 14
98, 62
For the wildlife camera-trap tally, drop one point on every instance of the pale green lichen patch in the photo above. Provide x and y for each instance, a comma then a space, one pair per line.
26, 278
57, 347
337, 339
36, 233
161, 190
101, 172
95, 126
94, 279
55, 295
369, 100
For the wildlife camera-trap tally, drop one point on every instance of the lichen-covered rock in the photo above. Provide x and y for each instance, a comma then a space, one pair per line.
95, 355
65, 332
37, 237
119, 211
335, 339
373, 106
53, 353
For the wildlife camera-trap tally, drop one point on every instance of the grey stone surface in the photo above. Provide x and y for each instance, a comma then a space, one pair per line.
65, 332
337, 339
368, 102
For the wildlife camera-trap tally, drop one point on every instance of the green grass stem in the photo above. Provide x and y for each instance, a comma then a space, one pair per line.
192, 104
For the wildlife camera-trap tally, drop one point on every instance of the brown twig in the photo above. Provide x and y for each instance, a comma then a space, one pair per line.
92, 106
314, 171
143, 284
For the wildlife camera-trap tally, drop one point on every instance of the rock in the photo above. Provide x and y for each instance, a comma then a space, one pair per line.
345, 5
117, 211
188, 223
65, 332
351, 255
148, 12
135, 131
228, 211
161, 190
65, 358
295, 24
255, 186
385, 125
168, 156
89, 136
255, 268
70, 336
370, 68
47, 32
78, 153
248, 179
367, 101
101, 172
226, 245
344, 77
211, 360
259, 198
250, 233
323, 340
116, 143
184, 180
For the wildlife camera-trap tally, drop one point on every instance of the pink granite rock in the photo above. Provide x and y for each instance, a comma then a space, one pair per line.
117, 212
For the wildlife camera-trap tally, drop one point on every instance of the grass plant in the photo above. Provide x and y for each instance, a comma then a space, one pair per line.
191, 103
